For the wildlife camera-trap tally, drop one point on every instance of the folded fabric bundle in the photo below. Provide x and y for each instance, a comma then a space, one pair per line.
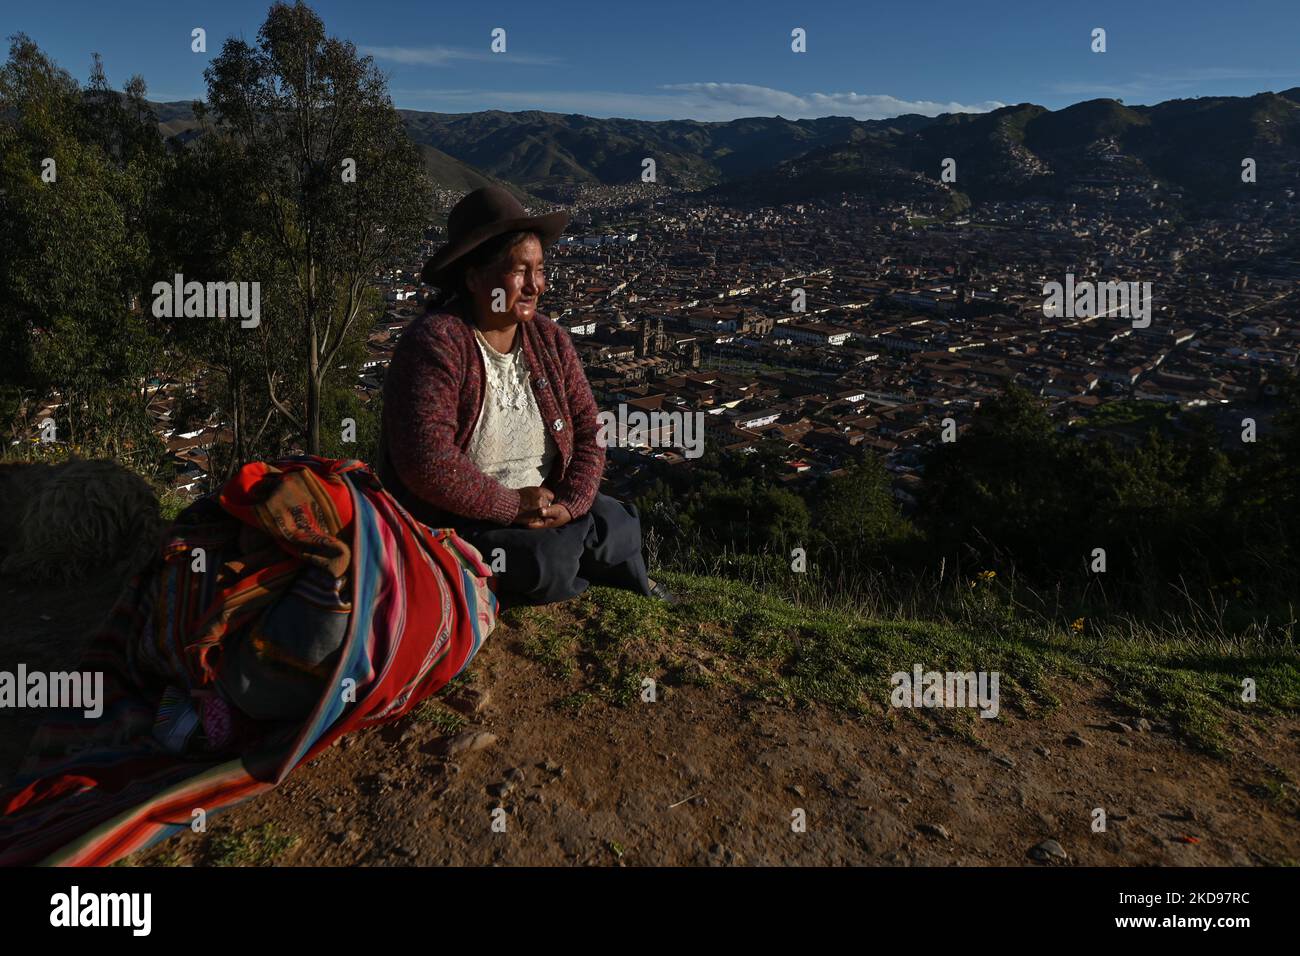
274, 668
299, 604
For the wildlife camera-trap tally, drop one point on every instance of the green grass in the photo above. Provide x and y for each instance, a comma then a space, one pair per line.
1128, 412
171, 857
765, 645
433, 712
574, 703
466, 678
257, 846
171, 504
553, 647
1279, 789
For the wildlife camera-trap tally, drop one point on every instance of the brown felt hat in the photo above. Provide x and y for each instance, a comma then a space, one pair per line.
485, 213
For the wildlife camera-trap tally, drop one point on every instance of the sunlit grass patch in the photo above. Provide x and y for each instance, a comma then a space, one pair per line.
763, 644
432, 712
257, 846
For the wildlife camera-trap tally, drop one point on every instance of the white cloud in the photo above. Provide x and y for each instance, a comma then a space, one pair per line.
1149, 87
810, 105
698, 101
447, 56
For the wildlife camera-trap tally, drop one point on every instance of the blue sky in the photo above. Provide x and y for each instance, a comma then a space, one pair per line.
720, 59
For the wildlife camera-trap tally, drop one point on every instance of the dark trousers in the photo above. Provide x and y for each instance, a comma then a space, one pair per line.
544, 565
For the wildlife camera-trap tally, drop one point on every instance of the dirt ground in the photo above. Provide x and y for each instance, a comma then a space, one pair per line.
706, 776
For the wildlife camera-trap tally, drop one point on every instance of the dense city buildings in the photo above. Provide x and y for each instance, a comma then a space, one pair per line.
832, 326
828, 325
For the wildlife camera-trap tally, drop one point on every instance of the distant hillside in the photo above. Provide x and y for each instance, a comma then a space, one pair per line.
759, 702
1195, 145
451, 173
176, 120
873, 166
537, 149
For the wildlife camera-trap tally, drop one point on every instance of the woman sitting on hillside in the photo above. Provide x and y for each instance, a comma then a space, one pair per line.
489, 423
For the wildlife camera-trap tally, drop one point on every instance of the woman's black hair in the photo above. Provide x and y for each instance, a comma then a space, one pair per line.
455, 295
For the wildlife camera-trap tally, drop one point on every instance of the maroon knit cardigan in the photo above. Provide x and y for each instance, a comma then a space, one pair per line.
433, 392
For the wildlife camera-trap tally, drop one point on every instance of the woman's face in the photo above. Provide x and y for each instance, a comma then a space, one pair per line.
519, 277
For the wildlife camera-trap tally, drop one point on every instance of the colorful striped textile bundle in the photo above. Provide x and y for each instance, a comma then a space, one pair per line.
95, 790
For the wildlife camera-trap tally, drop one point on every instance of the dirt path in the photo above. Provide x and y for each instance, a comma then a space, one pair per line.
705, 775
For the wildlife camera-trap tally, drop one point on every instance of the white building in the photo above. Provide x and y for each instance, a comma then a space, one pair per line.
816, 333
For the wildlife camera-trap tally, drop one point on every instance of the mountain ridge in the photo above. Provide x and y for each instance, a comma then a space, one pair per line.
1194, 144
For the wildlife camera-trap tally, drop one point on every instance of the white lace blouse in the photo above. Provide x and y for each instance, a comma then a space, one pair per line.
510, 442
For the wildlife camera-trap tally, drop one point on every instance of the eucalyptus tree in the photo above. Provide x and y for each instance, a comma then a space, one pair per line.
332, 183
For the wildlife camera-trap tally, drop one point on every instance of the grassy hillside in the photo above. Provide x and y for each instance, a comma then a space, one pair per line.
763, 705
762, 644
1016, 150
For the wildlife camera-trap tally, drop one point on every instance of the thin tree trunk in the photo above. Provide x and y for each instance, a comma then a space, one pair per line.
313, 397
313, 411
237, 442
